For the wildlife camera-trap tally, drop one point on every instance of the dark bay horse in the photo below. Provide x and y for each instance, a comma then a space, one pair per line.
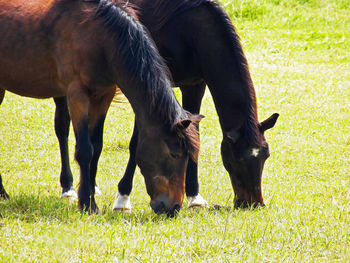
201, 47
82, 49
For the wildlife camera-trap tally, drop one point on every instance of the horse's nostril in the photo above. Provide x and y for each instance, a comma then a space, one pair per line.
240, 203
158, 207
174, 211
161, 207
177, 207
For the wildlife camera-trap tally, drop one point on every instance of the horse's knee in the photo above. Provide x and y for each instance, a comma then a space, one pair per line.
97, 148
62, 118
83, 153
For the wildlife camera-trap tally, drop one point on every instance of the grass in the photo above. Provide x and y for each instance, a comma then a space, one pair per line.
299, 58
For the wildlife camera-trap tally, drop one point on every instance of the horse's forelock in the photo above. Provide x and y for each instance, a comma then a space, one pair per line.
191, 142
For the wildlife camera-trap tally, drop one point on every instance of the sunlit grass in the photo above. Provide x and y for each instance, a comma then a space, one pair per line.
298, 53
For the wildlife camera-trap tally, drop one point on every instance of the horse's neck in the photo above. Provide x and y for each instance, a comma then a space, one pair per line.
163, 109
225, 68
234, 99
152, 120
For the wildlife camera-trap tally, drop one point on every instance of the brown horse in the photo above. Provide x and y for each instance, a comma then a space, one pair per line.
82, 49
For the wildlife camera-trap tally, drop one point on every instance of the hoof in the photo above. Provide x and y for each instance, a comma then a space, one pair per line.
122, 203
70, 195
97, 191
196, 201
4, 195
122, 210
88, 206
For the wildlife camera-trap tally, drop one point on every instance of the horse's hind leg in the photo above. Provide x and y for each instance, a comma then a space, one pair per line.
122, 200
3, 194
191, 101
62, 123
78, 104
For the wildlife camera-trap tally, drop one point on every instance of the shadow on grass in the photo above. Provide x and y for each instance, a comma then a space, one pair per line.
31, 209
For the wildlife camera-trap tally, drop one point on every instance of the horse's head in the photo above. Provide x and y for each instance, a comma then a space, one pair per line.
162, 155
245, 162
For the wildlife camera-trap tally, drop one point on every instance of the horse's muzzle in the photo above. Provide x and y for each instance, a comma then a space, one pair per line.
162, 205
243, 203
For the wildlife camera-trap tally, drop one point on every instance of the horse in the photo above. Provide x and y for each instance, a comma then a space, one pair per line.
82, 50
201, 47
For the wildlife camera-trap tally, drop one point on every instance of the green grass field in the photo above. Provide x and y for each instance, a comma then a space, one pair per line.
299, 55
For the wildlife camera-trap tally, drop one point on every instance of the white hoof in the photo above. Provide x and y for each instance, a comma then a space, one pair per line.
122, 203
196, 201
97, 190
71, 195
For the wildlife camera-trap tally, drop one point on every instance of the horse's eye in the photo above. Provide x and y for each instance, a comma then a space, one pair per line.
176, 155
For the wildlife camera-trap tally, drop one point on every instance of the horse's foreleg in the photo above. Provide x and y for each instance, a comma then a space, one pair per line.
3, 194
78, 104
191, 101
122, 200
62, 123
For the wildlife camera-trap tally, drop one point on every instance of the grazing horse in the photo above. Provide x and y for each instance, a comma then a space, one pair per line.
201, 47
82, 50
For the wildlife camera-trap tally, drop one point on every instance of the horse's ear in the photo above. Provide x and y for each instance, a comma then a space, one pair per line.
268, 123
196, 118
183, 124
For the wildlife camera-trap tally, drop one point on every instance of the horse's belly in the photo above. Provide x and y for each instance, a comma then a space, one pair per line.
37, 79
39, 92
34, 87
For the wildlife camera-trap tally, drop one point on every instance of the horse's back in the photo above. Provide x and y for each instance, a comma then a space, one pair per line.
196, 41
25, 56
176, 35
26, 8
44, 45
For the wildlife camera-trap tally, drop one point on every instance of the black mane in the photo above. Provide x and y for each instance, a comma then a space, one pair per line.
251, 124
142, 59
